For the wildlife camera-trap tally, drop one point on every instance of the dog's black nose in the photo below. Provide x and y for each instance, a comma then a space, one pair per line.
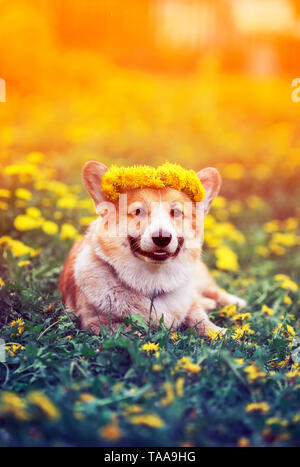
161, 238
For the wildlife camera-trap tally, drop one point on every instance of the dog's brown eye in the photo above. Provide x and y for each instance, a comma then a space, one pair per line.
139, 212
175, 212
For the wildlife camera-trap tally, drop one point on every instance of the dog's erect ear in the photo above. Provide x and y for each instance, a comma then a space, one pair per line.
92, 174
211, 180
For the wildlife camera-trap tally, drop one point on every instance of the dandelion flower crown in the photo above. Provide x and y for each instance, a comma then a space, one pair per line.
144, 176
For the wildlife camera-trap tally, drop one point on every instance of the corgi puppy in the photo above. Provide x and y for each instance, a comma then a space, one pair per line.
151, 266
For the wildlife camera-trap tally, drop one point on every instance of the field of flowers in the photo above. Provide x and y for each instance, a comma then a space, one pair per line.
62, 386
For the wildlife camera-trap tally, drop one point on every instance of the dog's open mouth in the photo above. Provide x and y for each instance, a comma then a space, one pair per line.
158, 256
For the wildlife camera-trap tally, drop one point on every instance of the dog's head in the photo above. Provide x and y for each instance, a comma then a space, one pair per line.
149, 225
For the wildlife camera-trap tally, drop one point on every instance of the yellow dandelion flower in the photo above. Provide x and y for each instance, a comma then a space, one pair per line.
258, 407
13, 404
157, 367
68, 231
226, 259
276, 421
228, 310
286, 239
287, 300
290, 330
150, 420
23, 193
49, 227
254, 373
43, 402
267, 310
17, 247
132, 409
21, 169
296, 417
271, 226
12, 349
18, 322
285, 282
238, 334
24, 222
291, 223
33, 212
262, 251
87, 204
214, 335
240, 361
174, 336
179, 387
2, 283
284, 362
186, 364
241, 317
246, 328
49, 307
219, 202
294, 373
170, 396
67, 202
3, 206
276, 249
150, 347
4, 193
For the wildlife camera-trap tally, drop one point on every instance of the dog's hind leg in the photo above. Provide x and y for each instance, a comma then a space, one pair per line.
210, 290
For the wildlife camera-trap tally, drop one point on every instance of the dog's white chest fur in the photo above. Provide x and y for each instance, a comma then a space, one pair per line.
121, 292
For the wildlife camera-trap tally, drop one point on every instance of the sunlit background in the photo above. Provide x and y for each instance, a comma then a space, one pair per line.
192, 81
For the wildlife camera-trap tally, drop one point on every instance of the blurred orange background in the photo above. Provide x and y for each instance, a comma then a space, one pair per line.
200, 82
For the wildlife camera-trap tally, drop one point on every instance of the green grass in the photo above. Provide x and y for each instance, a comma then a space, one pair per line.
123, 378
